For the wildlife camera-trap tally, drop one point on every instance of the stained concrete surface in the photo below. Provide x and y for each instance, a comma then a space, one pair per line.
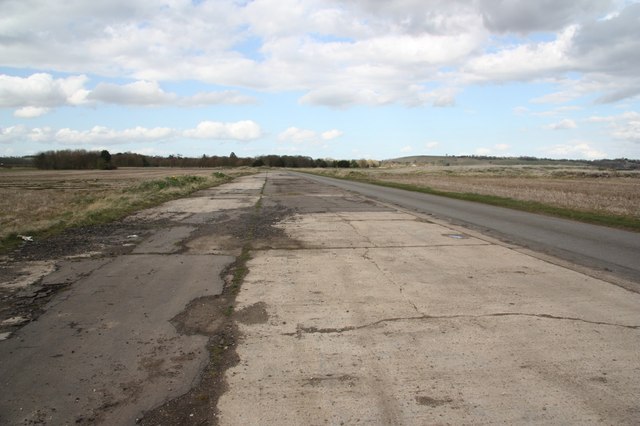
374, 315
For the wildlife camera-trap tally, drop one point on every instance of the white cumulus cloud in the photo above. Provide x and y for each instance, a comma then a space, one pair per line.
331, 134
41, 90
576, 149
246, 130
625, 126
296, 135
432, 145
105, 135
562, 125
30, 112
12, 134
101, 135
37, 94
147, 93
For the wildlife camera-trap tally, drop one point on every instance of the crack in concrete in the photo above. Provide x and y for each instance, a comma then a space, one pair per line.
384, 274
315, 330
348, 222
371, 247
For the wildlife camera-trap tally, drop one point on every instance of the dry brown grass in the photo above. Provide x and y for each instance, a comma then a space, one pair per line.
582, 189
33, 200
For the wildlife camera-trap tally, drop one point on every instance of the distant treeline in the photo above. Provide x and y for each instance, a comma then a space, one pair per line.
74, 160
83, 160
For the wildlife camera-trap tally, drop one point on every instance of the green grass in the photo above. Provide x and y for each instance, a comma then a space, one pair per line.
172, 182
614, 221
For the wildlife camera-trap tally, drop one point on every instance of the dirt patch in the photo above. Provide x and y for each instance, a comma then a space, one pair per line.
209, 316
198, 406
316, 381
107, 240
204, 316
432, 402
254, 314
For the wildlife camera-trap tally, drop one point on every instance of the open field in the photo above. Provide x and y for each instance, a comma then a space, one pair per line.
35, 201
581, 189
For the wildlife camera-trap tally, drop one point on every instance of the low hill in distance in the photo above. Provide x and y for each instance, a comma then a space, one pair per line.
475, 160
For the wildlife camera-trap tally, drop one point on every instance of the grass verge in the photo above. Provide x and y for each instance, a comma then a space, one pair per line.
100, 207
614, 221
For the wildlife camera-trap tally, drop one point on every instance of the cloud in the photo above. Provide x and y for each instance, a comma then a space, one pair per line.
557, 110
30, 112
145, 93
41, 90
574, 150
97, 135
104, 135
625, 126
431, 145
336, 53
296, 135
226, 97
525, 61
494, 150
240, 131
149, 93
406, 149
101, 135
37, 94
562, 125
12, 134
331, 134
607, 45
305, 136
525, 16
339, 97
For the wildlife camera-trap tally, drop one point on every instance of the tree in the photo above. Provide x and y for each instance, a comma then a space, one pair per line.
104, 161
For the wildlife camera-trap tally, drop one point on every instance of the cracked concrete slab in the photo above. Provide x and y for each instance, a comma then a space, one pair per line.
370, 229
375, 316
165, 240
70, 271
109, 336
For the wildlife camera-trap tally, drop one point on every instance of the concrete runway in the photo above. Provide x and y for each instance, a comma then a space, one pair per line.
381, 316
613, 252
353, 311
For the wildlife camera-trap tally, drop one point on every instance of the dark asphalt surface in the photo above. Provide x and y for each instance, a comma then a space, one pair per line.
598, 247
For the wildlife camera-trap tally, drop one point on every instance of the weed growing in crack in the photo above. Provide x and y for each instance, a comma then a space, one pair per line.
240, 269
216, 357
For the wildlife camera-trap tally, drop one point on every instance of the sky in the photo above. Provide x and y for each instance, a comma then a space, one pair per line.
373, 79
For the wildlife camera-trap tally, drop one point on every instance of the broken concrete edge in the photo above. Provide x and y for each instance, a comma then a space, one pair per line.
37, 295
35, 300
200, 404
